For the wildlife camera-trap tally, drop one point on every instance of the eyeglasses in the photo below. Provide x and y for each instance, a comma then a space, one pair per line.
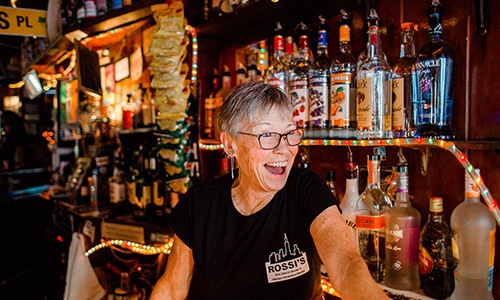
271, 140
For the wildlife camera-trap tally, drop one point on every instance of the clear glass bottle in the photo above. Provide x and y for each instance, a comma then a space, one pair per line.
372, 19
275, 74
351, 196
370, 221
474, 229
402, 234
402, 85
319, 82
433, 81
374, 112
299, 80
436, 263
343, 85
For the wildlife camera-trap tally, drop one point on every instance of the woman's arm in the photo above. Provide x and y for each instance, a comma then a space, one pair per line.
347, 270
174, 284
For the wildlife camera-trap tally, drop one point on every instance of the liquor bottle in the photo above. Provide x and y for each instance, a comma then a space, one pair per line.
370, 221
402, 234
374, 110
102, 7
221, 95
90, 9
474, 229
241, 74
275, 74
71, 13
157, 188
433, 81
331, 181
147, 185
402, 85
211, 103
117, 4
252, 59
351, 196
299, 79
343, 85
80, 12
136, 183
436, 264
319, 82
289, 58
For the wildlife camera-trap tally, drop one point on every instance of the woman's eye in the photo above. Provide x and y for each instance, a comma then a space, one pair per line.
266, 134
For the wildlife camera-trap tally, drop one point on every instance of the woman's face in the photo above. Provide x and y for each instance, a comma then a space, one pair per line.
265, 170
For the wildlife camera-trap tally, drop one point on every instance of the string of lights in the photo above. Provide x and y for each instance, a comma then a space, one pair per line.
134, 247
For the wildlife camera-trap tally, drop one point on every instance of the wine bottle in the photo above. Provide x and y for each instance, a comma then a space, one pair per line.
211, 103
319, 82
370, 221
275, 74
436, 263
474, 229
351, 196
374, 110
299, 79
402, 236
331, 181
402, 85
343, 85
433, 81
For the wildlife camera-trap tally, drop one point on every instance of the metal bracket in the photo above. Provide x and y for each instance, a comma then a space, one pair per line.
425, 156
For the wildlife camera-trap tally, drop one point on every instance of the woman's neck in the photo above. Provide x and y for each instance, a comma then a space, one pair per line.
248, 200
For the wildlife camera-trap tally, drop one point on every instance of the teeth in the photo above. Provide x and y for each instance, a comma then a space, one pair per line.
278, 164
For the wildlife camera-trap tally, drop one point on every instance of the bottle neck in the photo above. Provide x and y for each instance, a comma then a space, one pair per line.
407, 44
345, 39
402, 196
436, 217
303, 47
374, 173
279, 46
352, 185
322, 43
374, 48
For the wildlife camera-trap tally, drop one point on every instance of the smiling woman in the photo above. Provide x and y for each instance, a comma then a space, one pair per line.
263, 232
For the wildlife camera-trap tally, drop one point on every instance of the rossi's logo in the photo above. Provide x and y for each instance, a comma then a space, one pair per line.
286, 264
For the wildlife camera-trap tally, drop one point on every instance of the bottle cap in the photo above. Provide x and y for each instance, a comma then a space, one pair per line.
436, 204
346, 18
407, 26
374, 158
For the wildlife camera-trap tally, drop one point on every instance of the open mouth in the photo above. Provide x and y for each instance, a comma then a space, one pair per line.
277, 168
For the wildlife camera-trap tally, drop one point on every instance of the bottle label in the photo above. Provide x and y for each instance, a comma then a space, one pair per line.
340, 106
402, 246
370, 222
471, 189
345, 33
279, 43
116, 192
434, 103
277, 82
299, 96
398, 109
365, 109
303, 42
322, 38
425, 262
146, 194
318, 100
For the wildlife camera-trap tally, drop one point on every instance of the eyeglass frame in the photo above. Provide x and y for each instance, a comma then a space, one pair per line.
282, 136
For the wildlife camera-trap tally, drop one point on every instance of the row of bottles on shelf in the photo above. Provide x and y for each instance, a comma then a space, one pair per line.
139, 110
442, 261
75, 11
365, 98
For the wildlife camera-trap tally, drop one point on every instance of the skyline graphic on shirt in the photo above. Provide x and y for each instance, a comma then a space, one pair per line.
284, 252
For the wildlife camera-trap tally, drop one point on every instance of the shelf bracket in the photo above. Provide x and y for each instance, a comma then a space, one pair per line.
424, 158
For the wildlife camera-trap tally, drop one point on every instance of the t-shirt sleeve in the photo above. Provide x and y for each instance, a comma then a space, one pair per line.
315, 196
181, 220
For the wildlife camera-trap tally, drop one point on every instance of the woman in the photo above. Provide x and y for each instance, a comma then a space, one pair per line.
262, 231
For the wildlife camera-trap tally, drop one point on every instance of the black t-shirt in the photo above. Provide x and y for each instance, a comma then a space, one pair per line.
267, 255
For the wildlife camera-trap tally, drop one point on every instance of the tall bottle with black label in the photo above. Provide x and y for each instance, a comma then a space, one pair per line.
402, 234
319, 82
433, 81
474, 229
370, 221
343, 85
374, 111
436, 263
402, 85
299, 80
